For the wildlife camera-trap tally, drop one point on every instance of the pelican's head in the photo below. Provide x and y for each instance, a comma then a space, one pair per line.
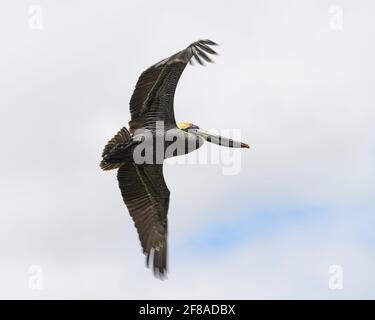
210, 137
185, 126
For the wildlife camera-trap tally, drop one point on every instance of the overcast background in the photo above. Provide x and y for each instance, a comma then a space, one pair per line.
297, 77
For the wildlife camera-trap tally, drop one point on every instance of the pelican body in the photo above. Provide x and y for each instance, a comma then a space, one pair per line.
153, 136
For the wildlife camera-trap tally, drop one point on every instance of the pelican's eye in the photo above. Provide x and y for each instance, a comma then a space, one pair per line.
193, 127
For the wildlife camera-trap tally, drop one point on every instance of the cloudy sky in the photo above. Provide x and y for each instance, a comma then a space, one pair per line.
296, 77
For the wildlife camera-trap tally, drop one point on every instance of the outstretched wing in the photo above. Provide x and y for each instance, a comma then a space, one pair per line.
152, 99
147, 197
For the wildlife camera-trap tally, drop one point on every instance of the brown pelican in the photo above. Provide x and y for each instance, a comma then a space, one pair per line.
142, 184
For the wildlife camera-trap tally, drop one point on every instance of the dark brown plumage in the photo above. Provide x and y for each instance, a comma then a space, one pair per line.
142, 186
152, 98
147, 197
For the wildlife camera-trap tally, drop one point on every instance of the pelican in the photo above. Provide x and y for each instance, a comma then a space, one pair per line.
142, 185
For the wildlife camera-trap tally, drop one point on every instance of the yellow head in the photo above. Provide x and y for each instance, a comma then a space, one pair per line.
186, 126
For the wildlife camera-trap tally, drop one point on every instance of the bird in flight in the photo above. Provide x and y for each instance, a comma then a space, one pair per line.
139, 158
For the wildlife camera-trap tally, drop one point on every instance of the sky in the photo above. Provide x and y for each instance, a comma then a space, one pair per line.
294, 77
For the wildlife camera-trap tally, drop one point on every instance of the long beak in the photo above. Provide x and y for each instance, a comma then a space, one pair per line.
221, 141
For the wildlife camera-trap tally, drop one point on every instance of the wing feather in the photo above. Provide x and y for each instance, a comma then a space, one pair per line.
146, 195
152, 99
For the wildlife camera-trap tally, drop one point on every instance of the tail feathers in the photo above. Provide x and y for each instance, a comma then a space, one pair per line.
110, 166
121, 137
